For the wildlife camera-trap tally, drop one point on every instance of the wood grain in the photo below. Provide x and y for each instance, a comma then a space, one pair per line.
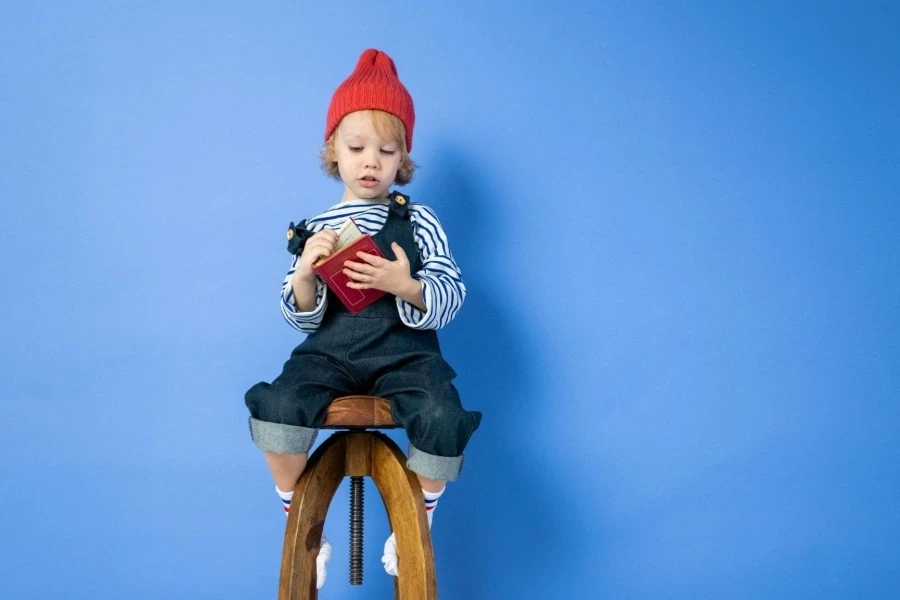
303, 534
402, 495
358, 453
359, 411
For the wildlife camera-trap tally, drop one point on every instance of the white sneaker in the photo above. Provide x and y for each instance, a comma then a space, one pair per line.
321, 562
390, 556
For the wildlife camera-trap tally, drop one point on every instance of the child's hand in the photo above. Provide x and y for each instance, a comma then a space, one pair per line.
319, 245
391, 276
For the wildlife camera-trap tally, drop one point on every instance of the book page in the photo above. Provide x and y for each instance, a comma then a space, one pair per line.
347, 234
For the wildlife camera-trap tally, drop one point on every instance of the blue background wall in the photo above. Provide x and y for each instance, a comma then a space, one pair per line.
678, 226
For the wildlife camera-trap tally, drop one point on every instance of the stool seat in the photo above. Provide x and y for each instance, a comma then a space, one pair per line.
359, 412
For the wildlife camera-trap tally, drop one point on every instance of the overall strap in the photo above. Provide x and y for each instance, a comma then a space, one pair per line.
399, 228
399, 204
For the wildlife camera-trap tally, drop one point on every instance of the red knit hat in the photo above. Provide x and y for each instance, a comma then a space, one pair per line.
372, 85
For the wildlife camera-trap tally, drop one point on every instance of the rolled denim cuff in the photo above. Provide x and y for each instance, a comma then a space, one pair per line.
282, 438
432, 466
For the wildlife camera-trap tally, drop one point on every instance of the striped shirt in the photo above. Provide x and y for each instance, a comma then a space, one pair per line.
442, 286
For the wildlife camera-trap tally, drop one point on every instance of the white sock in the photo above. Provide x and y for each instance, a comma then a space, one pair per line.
324, 547
431, 500
285, 499
389, 559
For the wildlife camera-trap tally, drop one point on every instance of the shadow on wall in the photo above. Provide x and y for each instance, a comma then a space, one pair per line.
496, 533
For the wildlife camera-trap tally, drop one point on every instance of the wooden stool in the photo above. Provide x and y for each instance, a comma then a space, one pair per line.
357, 453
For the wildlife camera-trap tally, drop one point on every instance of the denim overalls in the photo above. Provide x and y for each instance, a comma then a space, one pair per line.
370, 353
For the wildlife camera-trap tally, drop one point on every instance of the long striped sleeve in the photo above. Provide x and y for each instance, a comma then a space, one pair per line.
305, 322
442, 286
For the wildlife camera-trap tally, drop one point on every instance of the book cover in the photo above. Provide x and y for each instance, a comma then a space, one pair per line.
331, 268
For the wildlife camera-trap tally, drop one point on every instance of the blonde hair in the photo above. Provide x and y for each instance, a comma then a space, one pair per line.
388, 127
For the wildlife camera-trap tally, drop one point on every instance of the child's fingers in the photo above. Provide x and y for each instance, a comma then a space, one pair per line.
321, 244
325, 236
359, 267
372, 259
357, 276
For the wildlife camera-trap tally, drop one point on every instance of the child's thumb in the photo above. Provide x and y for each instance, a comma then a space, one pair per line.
398, 249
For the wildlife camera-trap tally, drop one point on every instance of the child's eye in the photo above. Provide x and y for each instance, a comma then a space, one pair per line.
359, 149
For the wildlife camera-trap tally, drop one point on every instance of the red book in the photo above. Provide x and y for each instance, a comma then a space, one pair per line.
331, 268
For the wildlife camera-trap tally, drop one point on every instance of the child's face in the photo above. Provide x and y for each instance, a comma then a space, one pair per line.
362, 155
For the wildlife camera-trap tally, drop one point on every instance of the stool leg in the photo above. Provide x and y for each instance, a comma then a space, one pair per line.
402, 495
303, 534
